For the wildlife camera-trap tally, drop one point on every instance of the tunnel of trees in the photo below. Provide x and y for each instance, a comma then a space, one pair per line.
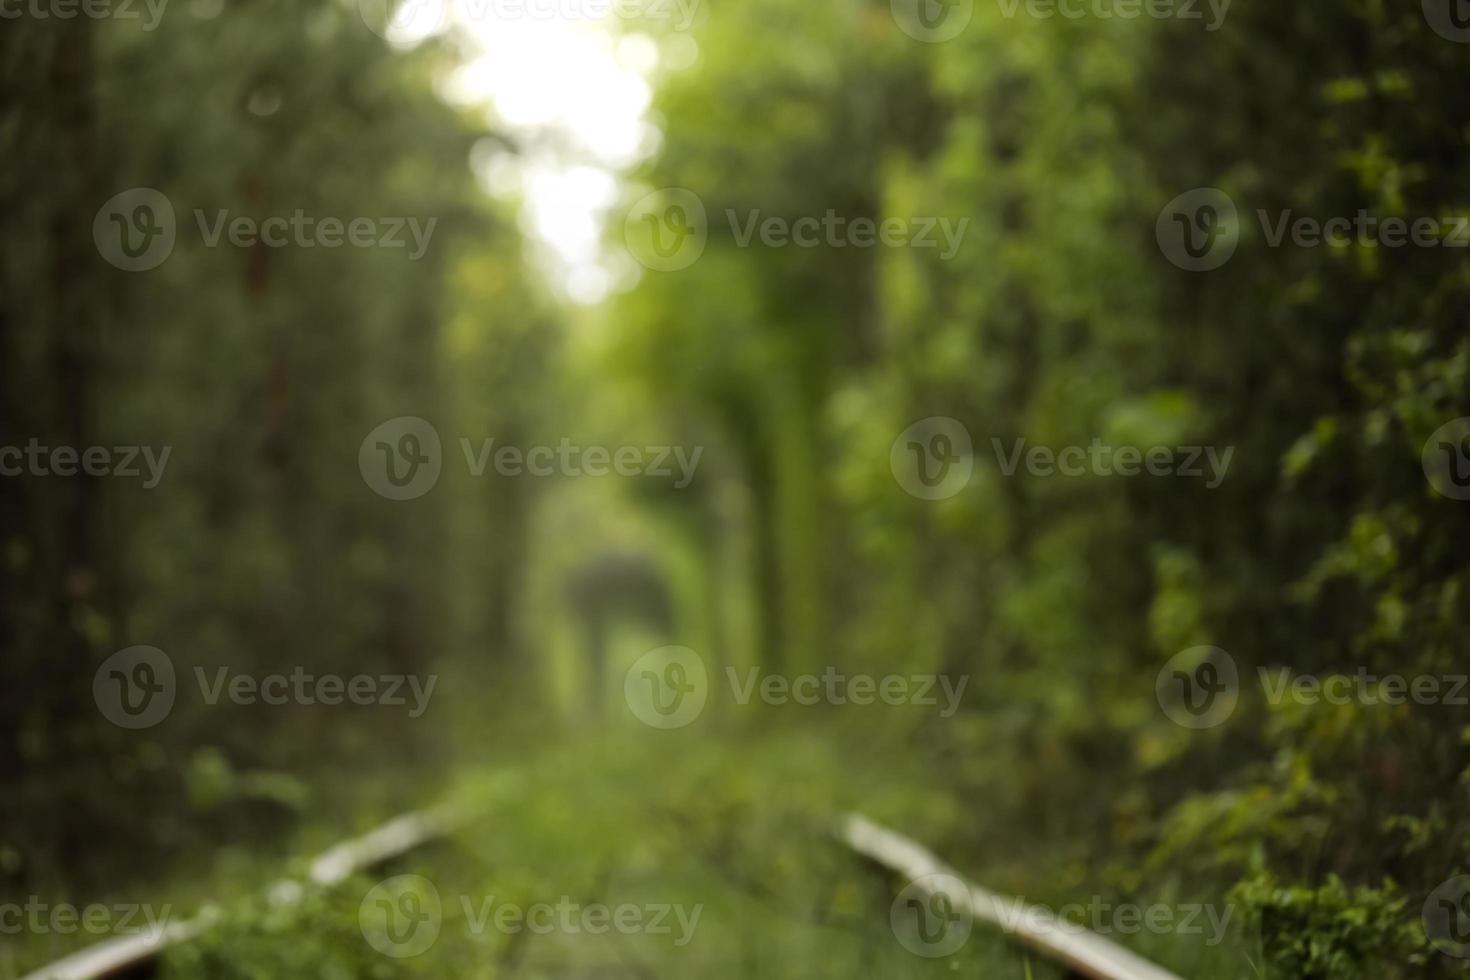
1322, 551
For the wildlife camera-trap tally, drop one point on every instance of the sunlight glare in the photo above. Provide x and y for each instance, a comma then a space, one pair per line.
574, 94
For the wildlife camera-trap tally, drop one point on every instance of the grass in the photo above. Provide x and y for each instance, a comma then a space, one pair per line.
714, 847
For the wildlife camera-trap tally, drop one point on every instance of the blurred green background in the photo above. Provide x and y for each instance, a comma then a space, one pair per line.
795, 547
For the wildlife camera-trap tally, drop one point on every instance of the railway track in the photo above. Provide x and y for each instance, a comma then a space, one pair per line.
133, 955
1084, 955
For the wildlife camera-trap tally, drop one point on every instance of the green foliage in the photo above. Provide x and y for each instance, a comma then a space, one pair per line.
1322, 552
1330, 932
749, 847
262, 370
319, 936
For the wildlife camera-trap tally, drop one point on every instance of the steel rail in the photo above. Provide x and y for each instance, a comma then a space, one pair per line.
333, 866
1084, 953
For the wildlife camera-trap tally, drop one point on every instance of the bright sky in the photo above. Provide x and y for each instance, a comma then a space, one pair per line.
573, 89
